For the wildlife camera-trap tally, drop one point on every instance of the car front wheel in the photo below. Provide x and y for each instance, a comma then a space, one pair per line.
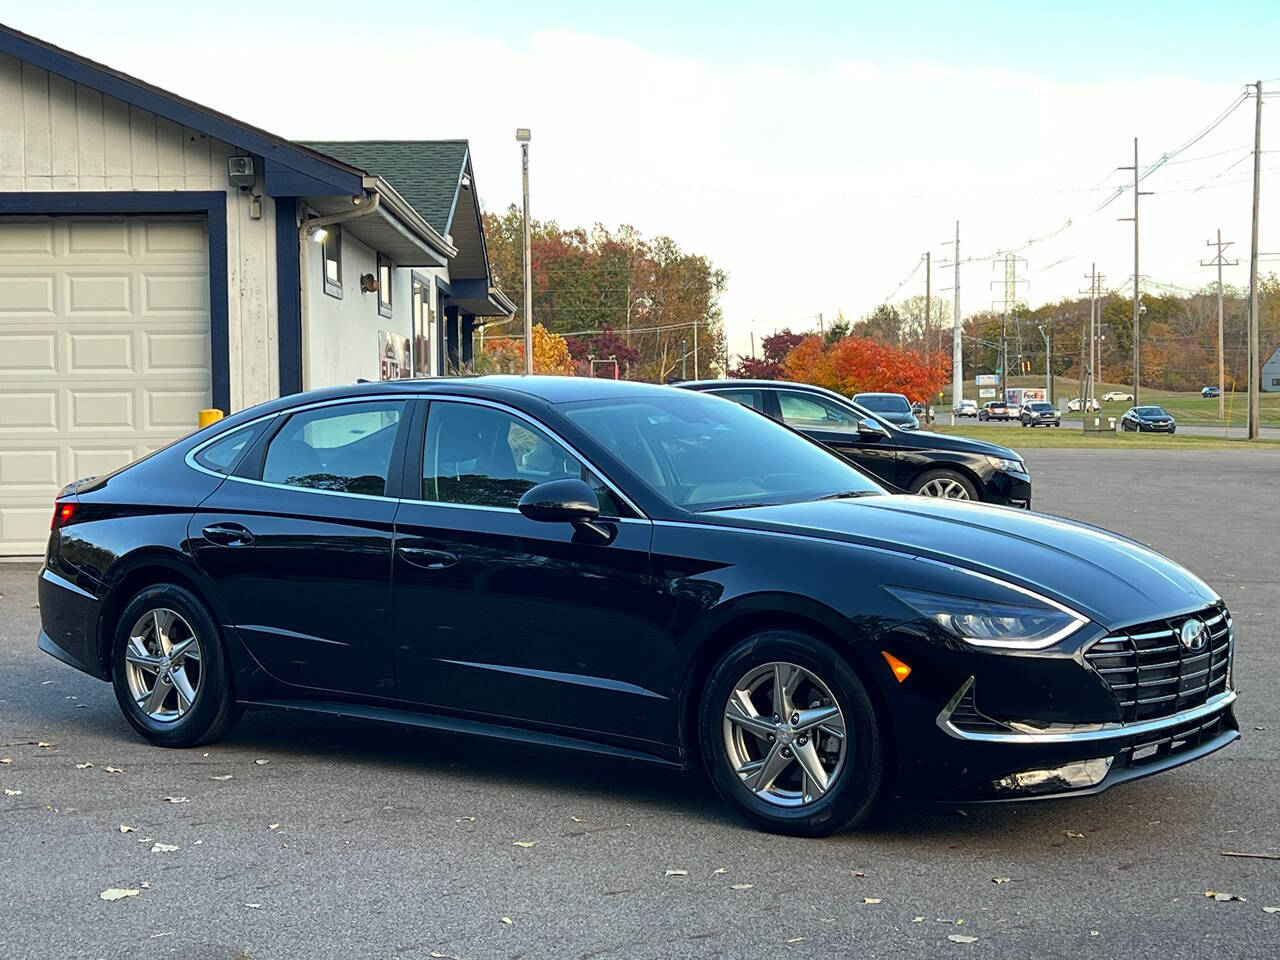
789, 736
170, 671
946, 484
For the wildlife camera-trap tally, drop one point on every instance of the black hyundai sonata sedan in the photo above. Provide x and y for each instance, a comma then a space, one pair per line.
638, 571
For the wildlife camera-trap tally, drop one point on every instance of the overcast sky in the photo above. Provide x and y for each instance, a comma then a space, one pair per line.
813, 151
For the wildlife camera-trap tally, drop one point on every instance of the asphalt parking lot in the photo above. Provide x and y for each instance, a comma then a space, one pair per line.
318, 838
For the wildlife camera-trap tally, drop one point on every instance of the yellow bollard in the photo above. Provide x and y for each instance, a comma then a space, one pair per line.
212, 415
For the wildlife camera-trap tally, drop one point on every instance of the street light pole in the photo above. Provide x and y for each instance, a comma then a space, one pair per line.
522, 137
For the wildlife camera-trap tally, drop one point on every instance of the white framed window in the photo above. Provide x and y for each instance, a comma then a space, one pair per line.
331, 261
385, 270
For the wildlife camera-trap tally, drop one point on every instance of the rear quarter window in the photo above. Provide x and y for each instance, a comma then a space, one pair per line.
223, 454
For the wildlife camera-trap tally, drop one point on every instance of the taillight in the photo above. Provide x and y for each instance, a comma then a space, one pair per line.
63, 511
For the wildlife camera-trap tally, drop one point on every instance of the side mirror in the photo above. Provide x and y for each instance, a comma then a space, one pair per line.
565, 501
869, 429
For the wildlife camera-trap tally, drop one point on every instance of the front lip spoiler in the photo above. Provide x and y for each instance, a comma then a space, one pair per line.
1091, 733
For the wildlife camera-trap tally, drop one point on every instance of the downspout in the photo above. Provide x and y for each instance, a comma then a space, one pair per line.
305, 231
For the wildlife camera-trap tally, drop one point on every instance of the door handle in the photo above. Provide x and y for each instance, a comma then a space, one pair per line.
227, 534
427, 558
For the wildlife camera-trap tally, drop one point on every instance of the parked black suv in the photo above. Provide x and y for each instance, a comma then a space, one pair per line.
915, 461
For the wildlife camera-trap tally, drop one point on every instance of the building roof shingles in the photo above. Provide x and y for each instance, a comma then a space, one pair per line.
424, 172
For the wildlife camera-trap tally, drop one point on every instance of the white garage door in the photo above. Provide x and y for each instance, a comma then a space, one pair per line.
104, 353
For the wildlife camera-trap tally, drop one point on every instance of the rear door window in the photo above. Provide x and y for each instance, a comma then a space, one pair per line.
345, 448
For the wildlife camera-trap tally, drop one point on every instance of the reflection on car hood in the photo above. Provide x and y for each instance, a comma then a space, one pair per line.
949, 441
1107, 577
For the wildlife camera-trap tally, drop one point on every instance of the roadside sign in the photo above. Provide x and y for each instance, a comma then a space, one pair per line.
987, 393
986, 380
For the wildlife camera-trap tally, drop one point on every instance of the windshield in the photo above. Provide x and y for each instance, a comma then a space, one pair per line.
1039, 406
1150, 412
702, 453
883, 402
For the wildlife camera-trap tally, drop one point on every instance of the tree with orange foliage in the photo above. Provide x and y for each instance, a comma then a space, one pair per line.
859, 365
506, 355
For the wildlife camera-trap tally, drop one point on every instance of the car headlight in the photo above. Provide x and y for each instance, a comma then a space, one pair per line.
1030, 624
1007, 465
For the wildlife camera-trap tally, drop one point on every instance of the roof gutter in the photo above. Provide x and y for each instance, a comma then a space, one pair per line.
410, 221
365, 204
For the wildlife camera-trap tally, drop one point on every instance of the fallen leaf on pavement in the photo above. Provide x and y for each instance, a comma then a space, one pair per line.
12, 793
222, 776
273, 826
677, 873
718, 871
961, 938
176, 799
1271, 909
1223, 897
999, 879
114, 770
508, 921
43, 744
739, 886
870, 899
163, 847
6, 759
796, 940
917, 919
157, 936
577, 820
144, 885
84, 766
856, 873
524, 843
125, 828
262, 762
1074, 835
116, 893
465, 820
254, 906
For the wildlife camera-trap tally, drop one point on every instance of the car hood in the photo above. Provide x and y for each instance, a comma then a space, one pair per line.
947, 441
1111, 579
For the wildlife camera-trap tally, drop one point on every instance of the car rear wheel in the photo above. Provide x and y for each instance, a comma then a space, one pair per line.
789, 736
946, 484
170, 670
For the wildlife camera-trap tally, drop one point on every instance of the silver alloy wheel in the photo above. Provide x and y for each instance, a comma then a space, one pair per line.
163, 665
945, 487
787, 754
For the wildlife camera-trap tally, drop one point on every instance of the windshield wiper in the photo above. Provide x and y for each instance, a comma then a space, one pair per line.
736, 506
848, 494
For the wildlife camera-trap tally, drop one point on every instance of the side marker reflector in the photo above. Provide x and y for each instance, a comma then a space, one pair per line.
900, 670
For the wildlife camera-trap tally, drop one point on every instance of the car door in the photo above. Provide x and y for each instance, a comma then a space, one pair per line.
504, 617
837, 427
298, 544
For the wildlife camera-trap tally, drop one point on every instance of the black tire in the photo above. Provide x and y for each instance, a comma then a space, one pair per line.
861, 782
943, 474
214, 710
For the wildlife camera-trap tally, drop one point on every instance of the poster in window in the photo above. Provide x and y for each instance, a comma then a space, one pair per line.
393, 352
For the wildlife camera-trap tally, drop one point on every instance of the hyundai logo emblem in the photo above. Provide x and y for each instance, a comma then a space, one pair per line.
1192, 635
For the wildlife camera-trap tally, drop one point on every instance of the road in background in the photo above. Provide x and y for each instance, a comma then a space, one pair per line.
368, 841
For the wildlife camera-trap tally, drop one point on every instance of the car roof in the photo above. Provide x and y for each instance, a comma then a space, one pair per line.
870, 393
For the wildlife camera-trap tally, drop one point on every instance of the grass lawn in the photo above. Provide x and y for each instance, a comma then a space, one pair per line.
1184, 407
1033, 438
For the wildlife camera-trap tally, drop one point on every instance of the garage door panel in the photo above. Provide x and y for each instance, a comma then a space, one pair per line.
168, 354
104, 353
98, 294
100, 410
92, 238
27, 237
27, 354
167, 293
101, 352
28, 411
27, 294
29, 468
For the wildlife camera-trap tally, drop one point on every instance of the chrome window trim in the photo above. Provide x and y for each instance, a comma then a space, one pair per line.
409, 397
1090, 734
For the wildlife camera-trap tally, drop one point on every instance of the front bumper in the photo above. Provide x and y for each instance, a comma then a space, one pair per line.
1004, 762
1008, 489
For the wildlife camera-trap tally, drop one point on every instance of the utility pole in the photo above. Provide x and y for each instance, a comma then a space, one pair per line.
1219, 261
1137, 279
523, 137
1092, 277
1254, 364
1010, 282
695, 349
684, 358
957, 346
1084, 413
928, 317
822, 331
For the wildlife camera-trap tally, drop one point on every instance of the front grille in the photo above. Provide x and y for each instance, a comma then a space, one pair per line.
1152, 675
